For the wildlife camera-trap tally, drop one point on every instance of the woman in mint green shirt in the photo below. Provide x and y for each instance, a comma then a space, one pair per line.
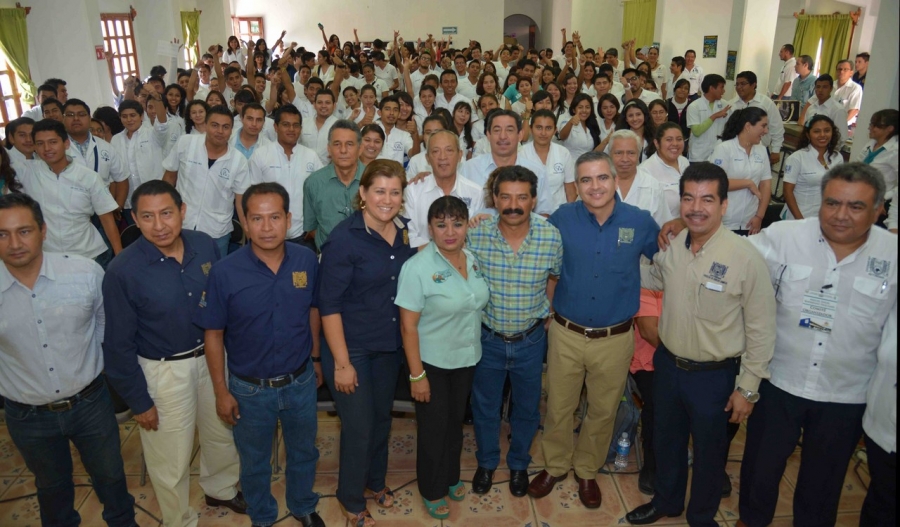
441, 293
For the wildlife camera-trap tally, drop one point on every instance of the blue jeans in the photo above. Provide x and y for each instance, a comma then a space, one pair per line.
261, 409
43, 439
222, 243
523, 361
365, 422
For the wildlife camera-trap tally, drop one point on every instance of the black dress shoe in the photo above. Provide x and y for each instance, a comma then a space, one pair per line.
647, 480
726, 489
518, 482
236, 504
483, 480
310, 520
647, 514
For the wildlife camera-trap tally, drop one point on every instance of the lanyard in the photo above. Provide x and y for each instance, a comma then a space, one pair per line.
872, 155
96, 159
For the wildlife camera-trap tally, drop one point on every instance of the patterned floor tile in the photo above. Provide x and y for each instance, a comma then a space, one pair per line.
25, 512
563, 508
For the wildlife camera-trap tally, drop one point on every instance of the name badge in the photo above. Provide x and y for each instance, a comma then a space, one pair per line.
712, 286
818, 311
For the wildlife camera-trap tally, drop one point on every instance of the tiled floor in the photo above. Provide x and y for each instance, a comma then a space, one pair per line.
496, 509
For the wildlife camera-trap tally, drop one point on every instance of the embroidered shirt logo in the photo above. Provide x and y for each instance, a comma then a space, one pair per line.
300, 280
878, 268
626, 235
717, 271
203, 299
205, 268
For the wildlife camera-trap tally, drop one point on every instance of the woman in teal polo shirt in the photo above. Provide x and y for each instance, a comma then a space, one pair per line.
441, 293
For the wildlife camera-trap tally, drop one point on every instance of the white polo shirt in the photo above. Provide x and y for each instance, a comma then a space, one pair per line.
742, 204
419, 197
209, 192
579, 140
466, 88
560, 169
100, 157
417, 77
646, 193
68, 202
268, 130
479, 168
142, 154
695, 76
788, 74
803, 169
386, 75
701, 147
660, 75
316, 138
880, 419
441, 101
834, 110
668, 177
775, 138
834, 367
396, 144
849, 95
269, 164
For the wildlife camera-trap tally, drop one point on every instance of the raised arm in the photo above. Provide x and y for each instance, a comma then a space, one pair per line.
217, 64
279, 42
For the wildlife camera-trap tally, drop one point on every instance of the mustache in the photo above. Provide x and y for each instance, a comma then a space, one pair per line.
510, 212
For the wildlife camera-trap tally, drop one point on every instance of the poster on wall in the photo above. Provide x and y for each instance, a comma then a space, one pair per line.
730, 64
710, 46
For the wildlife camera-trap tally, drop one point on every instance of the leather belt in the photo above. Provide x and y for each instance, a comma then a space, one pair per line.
512, 338
64, 405
690, 365
594, 333
275, 382
199, 351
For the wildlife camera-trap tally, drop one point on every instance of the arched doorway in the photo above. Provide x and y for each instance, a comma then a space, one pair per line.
522, 28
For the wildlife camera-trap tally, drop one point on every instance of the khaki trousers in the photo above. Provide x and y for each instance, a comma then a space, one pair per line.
573, 360
183, 394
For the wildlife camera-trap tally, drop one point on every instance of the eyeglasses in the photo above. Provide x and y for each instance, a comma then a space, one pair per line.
76, 114
741, 84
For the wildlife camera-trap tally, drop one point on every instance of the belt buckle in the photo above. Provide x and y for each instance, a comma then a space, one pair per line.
62, 406
681, 364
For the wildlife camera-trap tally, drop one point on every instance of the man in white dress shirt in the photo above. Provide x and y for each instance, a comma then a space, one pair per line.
846, 91
443, 154
385, 71
706, 118
788, 72
747, 95
835, 280
694, 72
636, 188
315, 130
823, 103
94, 152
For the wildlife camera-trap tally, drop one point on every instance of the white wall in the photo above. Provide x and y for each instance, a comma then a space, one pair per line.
736, 31
599, 22
480, 20
556, 15
757, 40
677, 33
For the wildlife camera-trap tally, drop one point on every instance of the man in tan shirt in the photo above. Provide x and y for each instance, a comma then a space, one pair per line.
718, 304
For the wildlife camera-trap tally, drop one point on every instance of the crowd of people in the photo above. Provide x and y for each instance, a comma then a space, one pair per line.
460, 217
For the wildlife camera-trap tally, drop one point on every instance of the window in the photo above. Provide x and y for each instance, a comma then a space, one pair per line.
11, 107
118, 41
248, 28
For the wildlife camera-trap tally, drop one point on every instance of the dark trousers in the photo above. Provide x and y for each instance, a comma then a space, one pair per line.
42, 437
880, 507
644, 381
693, 407
301, 240
830, 432
365, 422
440, 436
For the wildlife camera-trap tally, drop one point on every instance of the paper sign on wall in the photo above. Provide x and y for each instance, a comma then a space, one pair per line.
710, 46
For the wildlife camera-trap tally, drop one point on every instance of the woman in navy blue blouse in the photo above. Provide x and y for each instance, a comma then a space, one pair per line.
361, 262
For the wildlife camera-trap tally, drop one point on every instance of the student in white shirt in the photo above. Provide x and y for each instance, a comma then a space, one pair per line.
449, 97
467, 84
140, 145
289, 164
578, 128
398, 143
636, 187
385, 72
93, 152
694, 72
424, 68
788, 72
324, 68
744, 159
677, 71
706, 118
881, 150
367, 113
372, 144
557, 159
816, 153
524, 106
304, 101
469, 132
443, 155
846, 91
211, 178
235, 52
381, 88
607, 117
635, 116
195, 123
315, 130
248, 138
658, 73
822, 103
749, 96
19, 143
668, 164
635, 88
69, 194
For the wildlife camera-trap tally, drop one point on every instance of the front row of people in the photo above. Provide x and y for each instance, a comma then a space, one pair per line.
471, 308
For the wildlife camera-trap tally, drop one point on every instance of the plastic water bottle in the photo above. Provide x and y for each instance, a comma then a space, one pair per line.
622, 448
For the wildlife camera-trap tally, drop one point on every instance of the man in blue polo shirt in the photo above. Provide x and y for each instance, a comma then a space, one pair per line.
259, 304
591, 340
153, 355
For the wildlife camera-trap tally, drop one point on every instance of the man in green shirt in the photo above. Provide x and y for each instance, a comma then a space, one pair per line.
329, 191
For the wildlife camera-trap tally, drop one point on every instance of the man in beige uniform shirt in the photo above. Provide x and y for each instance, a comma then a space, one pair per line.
718, 303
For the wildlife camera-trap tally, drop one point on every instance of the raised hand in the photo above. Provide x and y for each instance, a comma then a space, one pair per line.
283, 33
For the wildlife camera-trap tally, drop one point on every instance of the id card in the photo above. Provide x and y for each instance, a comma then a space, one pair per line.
818, 311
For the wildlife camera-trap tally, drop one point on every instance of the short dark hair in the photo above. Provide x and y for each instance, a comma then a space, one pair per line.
514, 173
885, 118
245, 96
315, 80
14, 125
288, 109
748, 76
55, 82
857, 172
48, 87
229, 70
807, 60
76, 102
447, 207
544, 113
155, 187
711, 81
678, 61
219, 109
110, 117
325, 92
705, 171
18, 199
49, 125
345, 124
825, 78
253, 106
446, 73
390, 98
266, 188
789, 48
158, 71
690, 51
499, 112
131, 105
373, 128
865, 56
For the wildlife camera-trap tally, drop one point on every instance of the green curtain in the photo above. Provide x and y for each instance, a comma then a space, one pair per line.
639, 21
834, 30
14, 42
190, 28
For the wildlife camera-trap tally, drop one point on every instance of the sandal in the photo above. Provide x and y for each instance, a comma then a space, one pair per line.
384, 498
361, 519
433, 506
458, 492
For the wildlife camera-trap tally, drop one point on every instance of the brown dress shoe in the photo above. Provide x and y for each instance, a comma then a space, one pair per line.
543, 483
589, 492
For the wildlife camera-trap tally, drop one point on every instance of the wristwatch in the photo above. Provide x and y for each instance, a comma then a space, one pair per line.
752, 397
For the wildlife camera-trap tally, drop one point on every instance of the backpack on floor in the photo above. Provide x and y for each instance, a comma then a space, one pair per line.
627, 418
